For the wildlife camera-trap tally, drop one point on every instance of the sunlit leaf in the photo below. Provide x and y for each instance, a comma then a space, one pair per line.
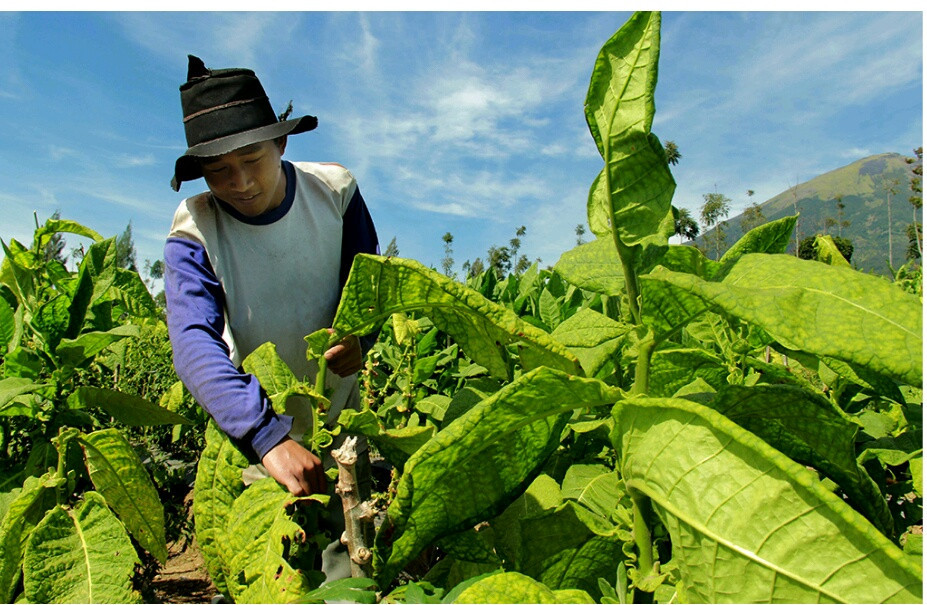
747, 523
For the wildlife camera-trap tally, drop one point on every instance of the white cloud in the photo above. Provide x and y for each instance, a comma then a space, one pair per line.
134, 161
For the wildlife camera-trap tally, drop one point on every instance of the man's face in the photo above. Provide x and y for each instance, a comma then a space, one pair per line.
250, 178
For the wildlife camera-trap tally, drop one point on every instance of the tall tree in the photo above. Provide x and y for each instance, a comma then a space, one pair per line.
580, 232
716, 207
890, 188
125, 250
686, 225
752, 216
54, 249
447, 263
672, 152
794, 190
915, 229
391, 248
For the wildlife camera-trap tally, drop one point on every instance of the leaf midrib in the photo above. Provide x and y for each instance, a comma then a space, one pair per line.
718, 539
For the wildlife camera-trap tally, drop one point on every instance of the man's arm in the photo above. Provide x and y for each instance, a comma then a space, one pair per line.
235, 400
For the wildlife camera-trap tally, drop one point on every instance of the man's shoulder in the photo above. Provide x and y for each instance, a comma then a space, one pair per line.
190, 216
334, 175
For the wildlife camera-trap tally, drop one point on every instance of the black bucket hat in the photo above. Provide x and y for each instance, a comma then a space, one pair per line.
223, 110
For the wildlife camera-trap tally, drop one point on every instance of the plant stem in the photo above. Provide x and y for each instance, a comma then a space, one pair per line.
642, 370
643, 539
61, 491
358, 517
320, 376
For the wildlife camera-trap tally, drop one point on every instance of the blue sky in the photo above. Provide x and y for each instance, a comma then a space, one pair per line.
470, 123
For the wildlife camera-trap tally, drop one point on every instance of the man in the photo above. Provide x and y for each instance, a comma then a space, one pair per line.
261, 256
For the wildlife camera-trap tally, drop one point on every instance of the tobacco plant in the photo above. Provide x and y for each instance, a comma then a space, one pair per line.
73, 492
665, 426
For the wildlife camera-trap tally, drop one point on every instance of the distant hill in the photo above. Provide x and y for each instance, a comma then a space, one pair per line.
861, 185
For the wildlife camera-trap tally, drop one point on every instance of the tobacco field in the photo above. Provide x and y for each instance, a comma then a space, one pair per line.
637, 423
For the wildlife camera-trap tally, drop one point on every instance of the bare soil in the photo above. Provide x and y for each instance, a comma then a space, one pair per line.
184, 579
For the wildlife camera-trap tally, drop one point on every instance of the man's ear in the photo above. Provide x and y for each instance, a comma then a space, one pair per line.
281, 144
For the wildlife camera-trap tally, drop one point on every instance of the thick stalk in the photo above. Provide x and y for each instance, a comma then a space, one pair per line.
61, 491
642, 370
358, 516
644, 542
320, 376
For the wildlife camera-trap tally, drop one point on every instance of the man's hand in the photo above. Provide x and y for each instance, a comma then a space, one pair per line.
345, 358
296, 468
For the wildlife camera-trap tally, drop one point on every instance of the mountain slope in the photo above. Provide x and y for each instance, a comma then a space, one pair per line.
863, 186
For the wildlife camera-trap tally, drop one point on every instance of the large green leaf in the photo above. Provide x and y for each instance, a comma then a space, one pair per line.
747, 523
513, 587
559, 543
127, 409
594, 486
593, 266
22, 515
479, 463
630, 201
378, 287
80, 556
118, 474
770, 238
86, 346
672, 369
593, 337
259, 533
7, 327
133, 294
218, 483
11, 388
19, 278
43, 234
811, 430
808, 306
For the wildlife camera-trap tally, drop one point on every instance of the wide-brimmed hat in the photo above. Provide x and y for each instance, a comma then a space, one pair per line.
223, 110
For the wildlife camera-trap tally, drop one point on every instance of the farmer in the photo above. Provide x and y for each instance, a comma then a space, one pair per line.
261, 256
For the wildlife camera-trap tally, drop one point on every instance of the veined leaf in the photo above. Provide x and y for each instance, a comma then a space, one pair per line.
826, 251
127, 409
747, 523
666, 308
378, 287
513, 587
770, 238
480, 462
25, 511
218, 483
672, 369
17, 277
593, 266
811, 430
629, 201
133, 294
88, 345
259, 529
592, 337
594, 486
43, 234
807, 306
10, 388
80, 556
80, 301
7, 326
271, 371
118, 474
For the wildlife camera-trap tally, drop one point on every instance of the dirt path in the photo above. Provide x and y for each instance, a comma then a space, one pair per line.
183, 579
